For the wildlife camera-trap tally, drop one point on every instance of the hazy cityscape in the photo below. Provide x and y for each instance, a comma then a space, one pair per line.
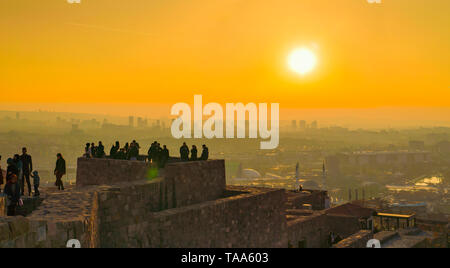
394, 168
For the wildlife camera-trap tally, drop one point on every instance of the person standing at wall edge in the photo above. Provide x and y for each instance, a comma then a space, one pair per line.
60, 171
27, 167
194, 153
205, 153
12, 192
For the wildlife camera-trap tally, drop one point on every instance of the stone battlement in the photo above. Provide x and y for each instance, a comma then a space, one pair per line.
184, 183
187, 204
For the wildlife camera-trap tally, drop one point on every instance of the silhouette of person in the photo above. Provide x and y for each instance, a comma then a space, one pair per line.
100, 152
12, 191
151, 152
133, 152
60, 171
205, 153
127, 147
121, 155
36, 182
164, 156
87, 151
12, 169
93, 150
194, 153
184, 152
19, 166
27, 167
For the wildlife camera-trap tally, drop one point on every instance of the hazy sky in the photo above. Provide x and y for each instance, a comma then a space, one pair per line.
165, 51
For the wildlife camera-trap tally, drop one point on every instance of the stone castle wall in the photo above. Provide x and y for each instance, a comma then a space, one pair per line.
195, 182
315, 198
309, 231
248, 218
253, 219
186, 182
99, 171
343, 225
312, 228
115, 204
190, 205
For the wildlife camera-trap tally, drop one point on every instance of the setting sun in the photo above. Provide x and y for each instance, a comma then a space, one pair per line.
302, 61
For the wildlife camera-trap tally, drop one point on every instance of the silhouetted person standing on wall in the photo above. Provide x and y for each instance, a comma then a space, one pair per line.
19, 166
60, 171
12, 187
87, 151
121, 155
194, 153
184, 152
27, 167
138, 147
133, 152
100, 152
158, 153
93, 150
135, 142
205, 153
36, 182
11, 169
12, 191
164, 156
114, 150
151, 152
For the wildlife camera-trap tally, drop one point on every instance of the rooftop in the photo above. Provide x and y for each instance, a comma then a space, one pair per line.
350, 209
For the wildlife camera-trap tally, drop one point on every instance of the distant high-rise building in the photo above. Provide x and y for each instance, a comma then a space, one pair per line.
294, 124
18, 116
141, 122
131, 121
314, 124
302, 124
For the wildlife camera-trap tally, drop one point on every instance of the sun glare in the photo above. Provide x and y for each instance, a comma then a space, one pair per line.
302, 61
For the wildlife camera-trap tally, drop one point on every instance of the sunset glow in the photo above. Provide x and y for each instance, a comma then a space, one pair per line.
124, 52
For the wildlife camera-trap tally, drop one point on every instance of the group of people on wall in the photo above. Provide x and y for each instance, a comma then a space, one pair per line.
184, 153
156, 153
129, 152
18, 173
20, 167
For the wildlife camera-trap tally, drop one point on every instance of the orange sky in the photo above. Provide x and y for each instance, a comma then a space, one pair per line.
125, 51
